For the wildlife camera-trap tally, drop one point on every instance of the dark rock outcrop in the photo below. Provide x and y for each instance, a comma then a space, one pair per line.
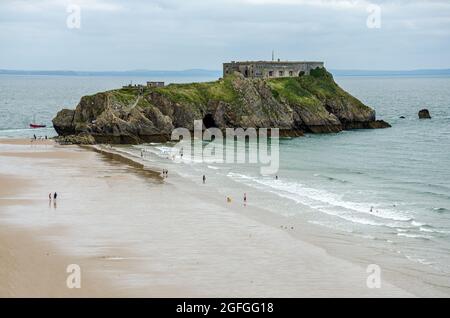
80, 139
63, 122
308, 104
424, 114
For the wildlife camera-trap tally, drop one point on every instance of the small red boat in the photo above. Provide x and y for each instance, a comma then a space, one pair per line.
37, 126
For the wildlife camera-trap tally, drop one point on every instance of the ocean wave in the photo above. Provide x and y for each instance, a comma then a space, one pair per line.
28, 131
422, 261
330, 178
417, 224
333, 226
418, 236
435, 194
441, 210
327, 202
430, 229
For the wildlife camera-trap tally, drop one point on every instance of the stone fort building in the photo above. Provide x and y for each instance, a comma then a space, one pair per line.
270, 69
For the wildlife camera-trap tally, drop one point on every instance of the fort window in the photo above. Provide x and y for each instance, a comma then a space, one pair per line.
291, 73
281, 73
270, 73
155, 84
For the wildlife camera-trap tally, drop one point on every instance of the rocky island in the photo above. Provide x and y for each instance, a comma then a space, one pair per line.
311, 103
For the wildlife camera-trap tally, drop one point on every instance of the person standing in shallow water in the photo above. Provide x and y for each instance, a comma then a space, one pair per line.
55, 196
245, 198
204, 179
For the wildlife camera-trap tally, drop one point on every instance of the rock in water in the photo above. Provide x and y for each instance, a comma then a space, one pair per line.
309, 104
378, 124
424, 114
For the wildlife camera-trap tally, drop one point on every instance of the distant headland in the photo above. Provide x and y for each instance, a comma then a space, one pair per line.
216, 73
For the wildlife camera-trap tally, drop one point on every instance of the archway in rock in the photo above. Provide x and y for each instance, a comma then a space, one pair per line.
209, 122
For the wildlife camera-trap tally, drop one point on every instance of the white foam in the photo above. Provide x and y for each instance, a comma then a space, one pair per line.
417, 224
419, 260
321, 199
427, 237
429, 230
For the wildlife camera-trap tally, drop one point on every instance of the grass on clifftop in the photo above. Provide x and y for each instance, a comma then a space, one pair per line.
201, 93
308, 91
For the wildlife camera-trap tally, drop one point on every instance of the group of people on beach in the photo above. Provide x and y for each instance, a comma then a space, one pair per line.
229, 200
35, 138
53, 196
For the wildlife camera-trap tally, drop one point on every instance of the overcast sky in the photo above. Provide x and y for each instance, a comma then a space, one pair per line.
186, 34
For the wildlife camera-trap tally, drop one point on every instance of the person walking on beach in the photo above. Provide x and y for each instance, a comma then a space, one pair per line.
245, 198
204, 179
55, 196
50, 196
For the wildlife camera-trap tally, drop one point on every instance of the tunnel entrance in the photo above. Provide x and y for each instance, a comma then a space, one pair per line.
208, 121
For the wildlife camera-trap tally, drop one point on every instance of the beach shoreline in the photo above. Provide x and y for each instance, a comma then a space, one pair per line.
223, 250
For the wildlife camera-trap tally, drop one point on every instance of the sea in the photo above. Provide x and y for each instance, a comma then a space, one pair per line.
388, 189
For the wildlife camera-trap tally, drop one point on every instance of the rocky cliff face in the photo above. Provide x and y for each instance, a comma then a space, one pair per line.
313, 103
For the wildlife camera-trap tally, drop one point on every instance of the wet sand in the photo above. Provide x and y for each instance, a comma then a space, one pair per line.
136, 235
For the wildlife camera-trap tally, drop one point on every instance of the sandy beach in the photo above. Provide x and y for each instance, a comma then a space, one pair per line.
136, 235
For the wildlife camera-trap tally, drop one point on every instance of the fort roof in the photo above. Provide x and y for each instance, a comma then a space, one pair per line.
273, 62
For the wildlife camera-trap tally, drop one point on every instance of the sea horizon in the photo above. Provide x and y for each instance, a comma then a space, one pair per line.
198, 72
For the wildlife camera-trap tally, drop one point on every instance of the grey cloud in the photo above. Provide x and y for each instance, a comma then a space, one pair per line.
176, 34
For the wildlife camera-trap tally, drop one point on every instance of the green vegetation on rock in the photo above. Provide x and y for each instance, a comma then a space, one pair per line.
310, 103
